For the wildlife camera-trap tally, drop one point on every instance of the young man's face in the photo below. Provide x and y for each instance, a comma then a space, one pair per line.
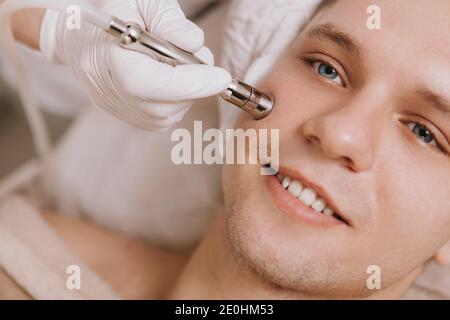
364, 120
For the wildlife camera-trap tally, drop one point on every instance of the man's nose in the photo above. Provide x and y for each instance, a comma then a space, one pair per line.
346, 133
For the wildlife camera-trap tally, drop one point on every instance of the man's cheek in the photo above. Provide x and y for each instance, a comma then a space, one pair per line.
408, 223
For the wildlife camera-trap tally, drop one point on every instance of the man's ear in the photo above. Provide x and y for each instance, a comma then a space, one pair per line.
443, 255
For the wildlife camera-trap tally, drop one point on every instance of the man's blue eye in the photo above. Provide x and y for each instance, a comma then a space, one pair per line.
423, 133
327, 71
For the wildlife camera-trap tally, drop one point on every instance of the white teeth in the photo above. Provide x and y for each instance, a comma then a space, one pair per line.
295, 188
328, 212
286, 182
308, 196
319, 205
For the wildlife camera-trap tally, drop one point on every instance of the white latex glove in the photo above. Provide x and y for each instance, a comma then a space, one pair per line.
135, 88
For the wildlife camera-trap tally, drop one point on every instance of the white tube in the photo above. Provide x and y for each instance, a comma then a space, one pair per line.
89, 13
20, 178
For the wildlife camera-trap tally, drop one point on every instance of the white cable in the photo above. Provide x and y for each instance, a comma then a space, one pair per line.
39, 130
19, 178
36, 121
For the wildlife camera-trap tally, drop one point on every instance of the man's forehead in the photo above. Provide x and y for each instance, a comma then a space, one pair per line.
414, 25
402, 53
415, 14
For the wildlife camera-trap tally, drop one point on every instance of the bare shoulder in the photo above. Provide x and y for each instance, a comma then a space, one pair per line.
133, 268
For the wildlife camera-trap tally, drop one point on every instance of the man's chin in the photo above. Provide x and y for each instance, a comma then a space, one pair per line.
300, 264
293, 255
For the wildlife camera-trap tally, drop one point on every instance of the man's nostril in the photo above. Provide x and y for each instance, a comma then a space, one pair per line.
348, 162
312, 140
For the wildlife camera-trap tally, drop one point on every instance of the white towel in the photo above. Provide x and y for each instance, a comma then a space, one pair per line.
37, 259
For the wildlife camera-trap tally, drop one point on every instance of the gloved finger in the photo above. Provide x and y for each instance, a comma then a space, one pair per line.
163, 110
176, 118
205, 55
149, 127
192, 82
166, 123
123, 10
143, 77
148, 122
166, 20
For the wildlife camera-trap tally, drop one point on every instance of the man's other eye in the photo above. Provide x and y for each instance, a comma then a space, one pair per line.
327, 71
423, 133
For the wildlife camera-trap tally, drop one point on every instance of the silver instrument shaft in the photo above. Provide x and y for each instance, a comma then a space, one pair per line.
132, 37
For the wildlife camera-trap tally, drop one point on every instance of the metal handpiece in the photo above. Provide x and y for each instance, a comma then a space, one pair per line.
131, 36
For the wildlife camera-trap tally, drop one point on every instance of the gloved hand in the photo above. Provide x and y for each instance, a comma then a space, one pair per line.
132, 86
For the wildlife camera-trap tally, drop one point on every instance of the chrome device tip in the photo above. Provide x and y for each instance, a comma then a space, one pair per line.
249, 99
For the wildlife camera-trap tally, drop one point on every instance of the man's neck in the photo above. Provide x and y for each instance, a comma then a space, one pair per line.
215, 272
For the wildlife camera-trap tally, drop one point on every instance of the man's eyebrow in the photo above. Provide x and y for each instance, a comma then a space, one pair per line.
437, 101
331, 32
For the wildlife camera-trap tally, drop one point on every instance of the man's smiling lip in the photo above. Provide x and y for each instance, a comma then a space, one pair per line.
295, 207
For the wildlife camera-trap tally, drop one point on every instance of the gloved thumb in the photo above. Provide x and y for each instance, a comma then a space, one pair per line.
144, 77
166, 20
